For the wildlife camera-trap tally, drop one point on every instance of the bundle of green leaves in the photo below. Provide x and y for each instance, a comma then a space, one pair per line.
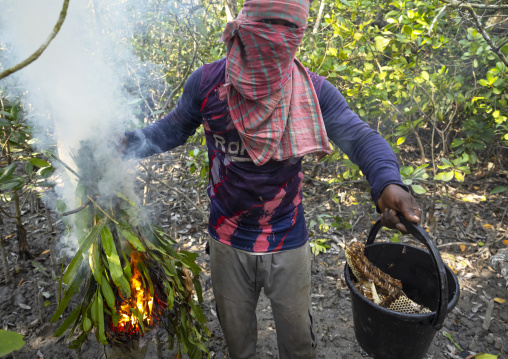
134, 279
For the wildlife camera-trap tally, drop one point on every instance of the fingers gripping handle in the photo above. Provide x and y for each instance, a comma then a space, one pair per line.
418, 233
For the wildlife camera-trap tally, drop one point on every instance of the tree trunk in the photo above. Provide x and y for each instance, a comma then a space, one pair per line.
231, 10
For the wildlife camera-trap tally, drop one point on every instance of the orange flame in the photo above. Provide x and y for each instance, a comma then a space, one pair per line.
140, 300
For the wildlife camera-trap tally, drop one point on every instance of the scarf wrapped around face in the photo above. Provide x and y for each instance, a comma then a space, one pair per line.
272, 100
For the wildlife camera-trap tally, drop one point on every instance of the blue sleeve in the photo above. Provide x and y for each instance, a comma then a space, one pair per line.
358, 141
172, 130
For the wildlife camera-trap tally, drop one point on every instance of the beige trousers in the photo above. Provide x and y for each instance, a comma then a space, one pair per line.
237, 279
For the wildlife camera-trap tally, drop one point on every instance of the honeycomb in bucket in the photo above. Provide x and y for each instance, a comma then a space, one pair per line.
378, 286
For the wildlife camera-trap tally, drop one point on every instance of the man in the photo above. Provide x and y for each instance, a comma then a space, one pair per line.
262, 111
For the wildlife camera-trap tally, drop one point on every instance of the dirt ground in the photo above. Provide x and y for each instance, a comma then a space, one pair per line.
448, 221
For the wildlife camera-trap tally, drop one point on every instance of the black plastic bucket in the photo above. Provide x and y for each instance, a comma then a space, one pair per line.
386, 334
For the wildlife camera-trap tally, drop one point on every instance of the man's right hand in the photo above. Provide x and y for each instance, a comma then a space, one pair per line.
121, 143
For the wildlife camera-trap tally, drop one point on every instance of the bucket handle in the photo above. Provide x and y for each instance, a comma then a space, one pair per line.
418, 232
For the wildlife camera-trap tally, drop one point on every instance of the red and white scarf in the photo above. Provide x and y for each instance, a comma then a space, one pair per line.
272, 100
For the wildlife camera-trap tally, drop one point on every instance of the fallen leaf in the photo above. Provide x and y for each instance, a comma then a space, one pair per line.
481, 244
12, 235
485, 356
464, 223
45, 252
21, 281
499, 300
453, 270
39, 354
505, 242
487, 226
462, 247
47, 303
24, 306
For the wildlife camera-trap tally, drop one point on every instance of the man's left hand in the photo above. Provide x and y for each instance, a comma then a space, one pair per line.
394, 199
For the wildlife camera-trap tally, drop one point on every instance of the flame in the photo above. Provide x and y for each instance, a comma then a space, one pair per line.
140, 299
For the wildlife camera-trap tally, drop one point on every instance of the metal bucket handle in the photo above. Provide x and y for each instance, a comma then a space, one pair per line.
418, 232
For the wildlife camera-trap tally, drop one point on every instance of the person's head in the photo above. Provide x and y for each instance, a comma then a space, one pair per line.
292, 13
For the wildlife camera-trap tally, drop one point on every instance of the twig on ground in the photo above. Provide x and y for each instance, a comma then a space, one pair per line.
457, 244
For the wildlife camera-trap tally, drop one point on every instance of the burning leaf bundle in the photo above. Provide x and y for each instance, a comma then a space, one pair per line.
132, 277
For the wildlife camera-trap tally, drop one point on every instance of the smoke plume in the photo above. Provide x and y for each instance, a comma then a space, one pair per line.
76, 91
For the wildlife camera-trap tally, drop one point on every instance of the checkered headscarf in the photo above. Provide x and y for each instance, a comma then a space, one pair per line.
271, 98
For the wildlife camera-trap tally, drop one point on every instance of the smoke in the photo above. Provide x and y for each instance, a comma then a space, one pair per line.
77, 91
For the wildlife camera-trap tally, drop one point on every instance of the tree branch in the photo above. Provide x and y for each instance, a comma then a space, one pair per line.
459, 4
40, 50
435, 20
486, 36
319, 17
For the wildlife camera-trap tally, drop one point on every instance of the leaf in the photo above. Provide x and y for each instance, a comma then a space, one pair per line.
499, 189
487, 226
462, 247
401, 140
78, 257
94, 260
128, 234
115, 267
10, 342
485, 356
457, 143
87, 324
200, 26
447, 162
505, 242
122, 196
345, 2
39, 163
107, 292
68, 321
418, 189
499, 300
459, 176
425, 75
381, 43
407, 30
447, 176
7, 171
108, 244
100, 317
24, 306
76, 282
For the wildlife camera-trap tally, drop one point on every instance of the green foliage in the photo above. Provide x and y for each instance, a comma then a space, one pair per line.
411, 67
340, 223
413, 176
198, 162
10, 342
319, 245
456, 168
